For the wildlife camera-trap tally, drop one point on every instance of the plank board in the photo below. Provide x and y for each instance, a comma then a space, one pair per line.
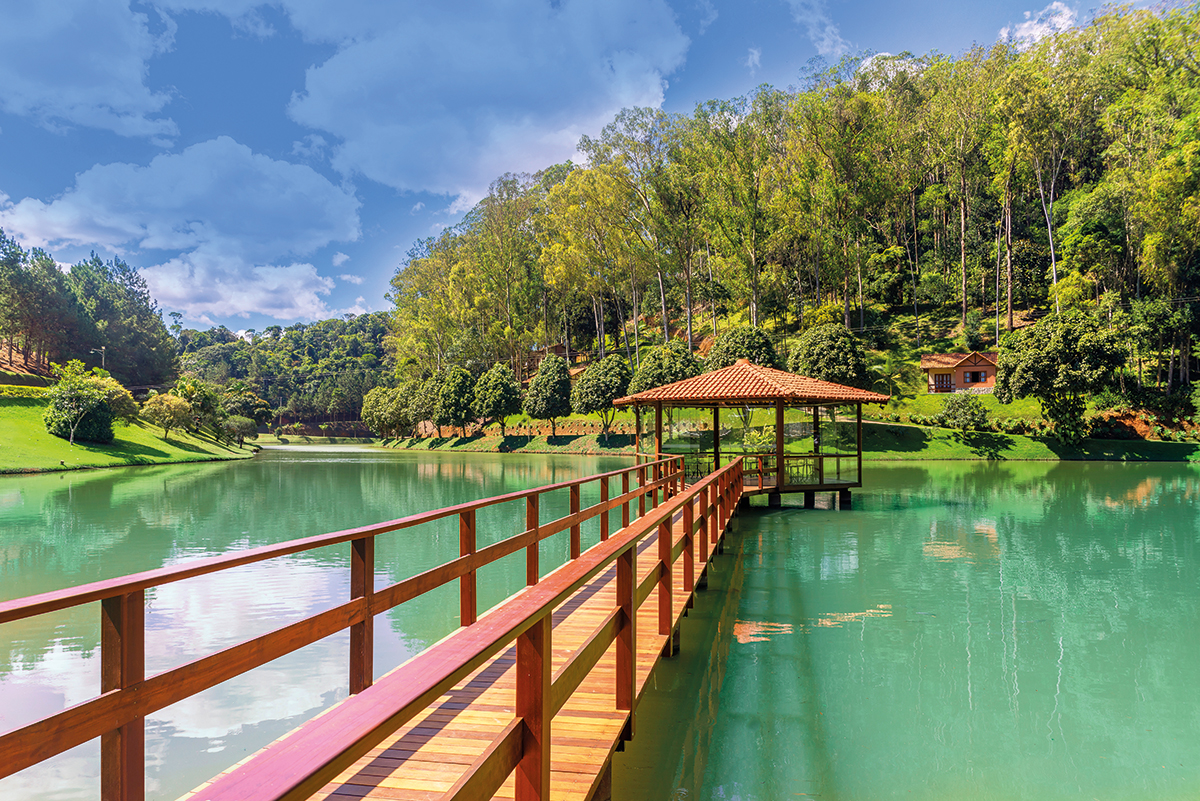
424, 758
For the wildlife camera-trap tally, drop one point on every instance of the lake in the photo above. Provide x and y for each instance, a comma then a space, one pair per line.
970, 630
993, 631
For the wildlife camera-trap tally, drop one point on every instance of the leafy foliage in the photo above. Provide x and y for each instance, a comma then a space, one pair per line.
601, 383
497, 395
964, 411
78, 406
742, 343
831, 353
1059, 361
549, 393
665, 365
239, 429
167, 411
455, 395
386, 410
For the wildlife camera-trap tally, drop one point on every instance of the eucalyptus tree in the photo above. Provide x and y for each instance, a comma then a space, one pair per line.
732, 149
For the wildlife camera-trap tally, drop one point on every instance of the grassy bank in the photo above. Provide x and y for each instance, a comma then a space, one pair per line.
884, 442
615, 444
26, 446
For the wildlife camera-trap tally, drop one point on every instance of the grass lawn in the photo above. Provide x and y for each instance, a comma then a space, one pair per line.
890, 442
616, 444
26, 446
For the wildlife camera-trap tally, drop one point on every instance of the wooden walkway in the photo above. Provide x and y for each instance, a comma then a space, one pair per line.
425, 758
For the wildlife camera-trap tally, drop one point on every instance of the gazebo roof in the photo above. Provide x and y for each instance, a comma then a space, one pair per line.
748, 383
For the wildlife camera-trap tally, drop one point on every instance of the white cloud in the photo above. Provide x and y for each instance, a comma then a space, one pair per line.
81, 62
351, 279
417, 207
311, 147
339, 259
1054, 18
231, 220
360, 307
753, 60
708, 14
444, 101
822, 31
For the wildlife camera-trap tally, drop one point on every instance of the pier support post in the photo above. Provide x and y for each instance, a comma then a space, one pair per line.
774, 499
122, 665
810, 500
362, 635
533, 706
844, 501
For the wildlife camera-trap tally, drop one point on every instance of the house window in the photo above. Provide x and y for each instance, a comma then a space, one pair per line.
975, 377
942, 381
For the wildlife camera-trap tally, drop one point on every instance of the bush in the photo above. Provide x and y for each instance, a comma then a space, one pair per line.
830, 353
964, 411
167, 411
9, 391
95, 426
238, 428
78, 406
742, 343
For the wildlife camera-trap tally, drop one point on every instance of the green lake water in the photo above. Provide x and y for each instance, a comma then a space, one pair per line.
981, 631
65, 529
969, 630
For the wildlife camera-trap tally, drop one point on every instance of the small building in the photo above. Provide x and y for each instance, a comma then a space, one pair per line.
796, 434
951, 372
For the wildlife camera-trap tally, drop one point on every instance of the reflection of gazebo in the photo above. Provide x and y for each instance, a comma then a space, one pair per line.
770, 417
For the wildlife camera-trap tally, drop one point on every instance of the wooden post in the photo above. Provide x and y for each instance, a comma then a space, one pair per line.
641, 496
656, 477
716, 438
123, 665
362, 635
575, 528
533, 706
532, 573
706, 521
625, 506
689, 546
658, 437
468, 607
664, 581
779, 471
604, 514
817, 444
859, 421
627, 632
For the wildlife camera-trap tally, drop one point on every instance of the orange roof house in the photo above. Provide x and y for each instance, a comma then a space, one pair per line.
949, 372
773, 419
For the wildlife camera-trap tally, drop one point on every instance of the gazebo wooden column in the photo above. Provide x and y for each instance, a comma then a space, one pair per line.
775, 499
658, 437
716, 438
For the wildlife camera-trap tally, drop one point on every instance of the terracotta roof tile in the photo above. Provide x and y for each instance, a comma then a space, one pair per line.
751, 382
948, 360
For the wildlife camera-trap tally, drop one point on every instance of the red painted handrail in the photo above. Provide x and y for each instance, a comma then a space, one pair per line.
127, 696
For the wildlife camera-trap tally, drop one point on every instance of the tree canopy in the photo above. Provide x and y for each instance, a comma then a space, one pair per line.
601, 383
831, 353
549, 393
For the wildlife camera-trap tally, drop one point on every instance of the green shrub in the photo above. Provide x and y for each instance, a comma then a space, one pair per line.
96, 425
964, 411
11, 391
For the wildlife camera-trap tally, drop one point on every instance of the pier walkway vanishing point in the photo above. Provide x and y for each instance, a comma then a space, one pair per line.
527, 701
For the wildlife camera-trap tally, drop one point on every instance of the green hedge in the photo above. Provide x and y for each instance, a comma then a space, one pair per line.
12, 391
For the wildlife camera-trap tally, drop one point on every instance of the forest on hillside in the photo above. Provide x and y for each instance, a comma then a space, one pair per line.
1003, 183
903, 197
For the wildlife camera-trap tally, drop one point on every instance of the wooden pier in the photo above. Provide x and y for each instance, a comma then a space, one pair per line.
527, 701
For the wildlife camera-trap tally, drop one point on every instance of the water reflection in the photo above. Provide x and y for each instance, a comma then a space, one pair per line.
991, 631
68, 529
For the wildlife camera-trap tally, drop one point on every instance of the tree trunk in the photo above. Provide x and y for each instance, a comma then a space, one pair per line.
687, 299
1008, 256
962, 241
662, 299
862, 312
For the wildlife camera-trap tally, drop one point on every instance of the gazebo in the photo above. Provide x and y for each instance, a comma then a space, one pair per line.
795, 433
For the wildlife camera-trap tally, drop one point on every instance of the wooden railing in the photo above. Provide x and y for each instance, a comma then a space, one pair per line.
127, 696
304, 761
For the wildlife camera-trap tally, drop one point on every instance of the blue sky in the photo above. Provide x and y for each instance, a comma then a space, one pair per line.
267, 163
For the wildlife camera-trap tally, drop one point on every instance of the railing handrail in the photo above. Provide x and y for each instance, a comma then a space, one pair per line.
54, 600
127, 696
277, 773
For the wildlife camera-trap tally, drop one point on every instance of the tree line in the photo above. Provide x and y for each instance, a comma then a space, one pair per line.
97, 312
999, 183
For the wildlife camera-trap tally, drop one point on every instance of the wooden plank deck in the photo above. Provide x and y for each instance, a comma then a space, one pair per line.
428, 755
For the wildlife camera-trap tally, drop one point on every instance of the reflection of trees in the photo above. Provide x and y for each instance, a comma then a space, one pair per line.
71, 529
